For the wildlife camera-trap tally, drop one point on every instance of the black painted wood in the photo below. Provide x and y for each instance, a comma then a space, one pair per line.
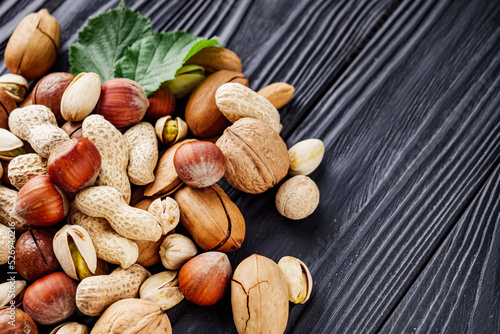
404, 95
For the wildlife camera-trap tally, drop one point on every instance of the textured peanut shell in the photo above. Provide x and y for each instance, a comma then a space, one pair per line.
212, 219
259, 297
37, 125
256, 157
166, 178
202, 115
106, 202
143, 153
114, 153
133, 316
278, 93
25, 167
4, 244
7, 198
109, 245
297, 198
95, 293
214, 59
236, 101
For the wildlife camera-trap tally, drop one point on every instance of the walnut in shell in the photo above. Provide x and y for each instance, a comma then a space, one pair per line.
256, 157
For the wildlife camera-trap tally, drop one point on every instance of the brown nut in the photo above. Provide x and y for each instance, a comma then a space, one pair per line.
297, 198
202, 115
74, 164
73, 129
166, 179
212, 219
161, 104
149, 252
50, 299
21, 324
256, 157
204, 279
49, 91
35, 256
259, 296
123, 102
40, 202
199, 163
33, 47
214, 59
7, 104
278, 93
133, 315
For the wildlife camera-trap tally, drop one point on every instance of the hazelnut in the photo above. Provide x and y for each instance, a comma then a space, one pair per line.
49, 91
73, 129
123, 102
205, 278
161, 103
40, 202
33, 46
297, 198
199, 163
21, 324
51, 299
176, 250
35, 256
74, 164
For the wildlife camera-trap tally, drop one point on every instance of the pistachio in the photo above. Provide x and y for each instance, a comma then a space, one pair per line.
70, 328
166, 212
11, 290
298, 278
81, 97
186, 79
33, 46
259, 296
162, 289
14, 85
75, 251
10, 145
7, 104
297, 198
176, 250
170, 131
306, 156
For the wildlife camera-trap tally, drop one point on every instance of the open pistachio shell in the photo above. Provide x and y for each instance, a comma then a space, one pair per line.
14, 85
77, 261
10, 290
305, 156
162, 289
10, 145
298, 278
180, 129
70, 328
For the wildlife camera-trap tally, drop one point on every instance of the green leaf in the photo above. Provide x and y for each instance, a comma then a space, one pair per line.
105, 38
154, 59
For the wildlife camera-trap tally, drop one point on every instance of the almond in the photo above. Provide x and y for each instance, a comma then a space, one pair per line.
278, 93
214, 59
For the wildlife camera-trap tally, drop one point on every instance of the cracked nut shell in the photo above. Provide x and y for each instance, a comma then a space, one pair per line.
259, 296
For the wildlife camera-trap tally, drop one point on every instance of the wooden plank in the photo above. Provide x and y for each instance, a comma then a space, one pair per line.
458, 292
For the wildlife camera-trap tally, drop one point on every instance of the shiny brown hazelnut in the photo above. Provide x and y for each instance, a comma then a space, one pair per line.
15, 321
199, 164
161, 103
51, 299
40, 202
35, 256
123, 102
74, 164
49, 91
205, 278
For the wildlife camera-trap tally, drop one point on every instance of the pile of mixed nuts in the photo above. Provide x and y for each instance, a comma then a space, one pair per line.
87, 170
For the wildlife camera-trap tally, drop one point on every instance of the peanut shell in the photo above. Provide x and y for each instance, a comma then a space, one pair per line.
25, 167
143, 153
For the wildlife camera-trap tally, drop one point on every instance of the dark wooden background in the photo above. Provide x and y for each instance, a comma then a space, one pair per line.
405, 96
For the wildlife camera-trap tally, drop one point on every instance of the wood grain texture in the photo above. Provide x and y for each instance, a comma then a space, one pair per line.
404, 95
